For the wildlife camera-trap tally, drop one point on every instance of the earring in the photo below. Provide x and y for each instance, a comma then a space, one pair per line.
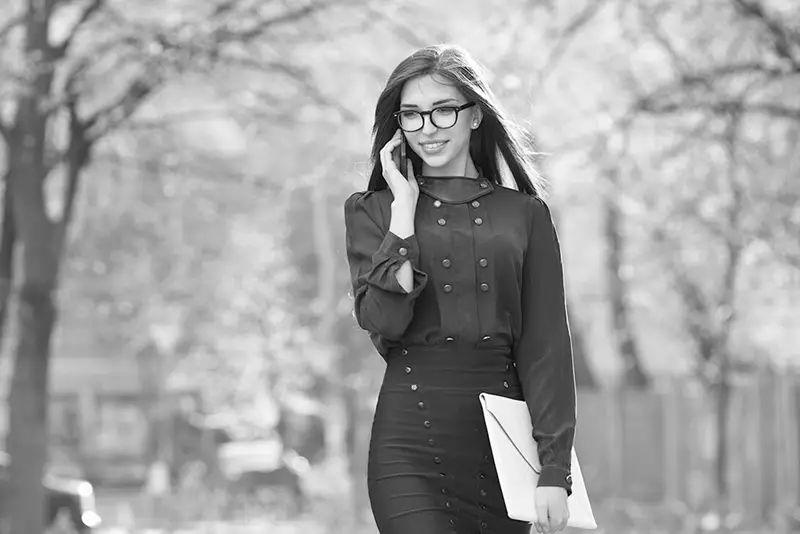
474, 124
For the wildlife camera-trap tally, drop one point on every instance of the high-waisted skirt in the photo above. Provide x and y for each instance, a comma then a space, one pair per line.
431, 469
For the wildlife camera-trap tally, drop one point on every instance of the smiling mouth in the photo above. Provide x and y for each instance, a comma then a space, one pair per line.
432, 146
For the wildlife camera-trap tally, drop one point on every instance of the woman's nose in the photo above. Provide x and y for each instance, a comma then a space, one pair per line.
428, 127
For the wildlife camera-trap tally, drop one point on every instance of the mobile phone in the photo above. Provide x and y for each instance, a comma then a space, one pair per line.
403, 158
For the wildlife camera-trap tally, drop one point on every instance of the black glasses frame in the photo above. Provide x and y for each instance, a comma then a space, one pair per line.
429, 113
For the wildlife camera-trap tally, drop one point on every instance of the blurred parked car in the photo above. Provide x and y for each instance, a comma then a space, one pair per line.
71, 494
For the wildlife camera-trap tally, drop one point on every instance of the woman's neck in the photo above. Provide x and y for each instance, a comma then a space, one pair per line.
467, 168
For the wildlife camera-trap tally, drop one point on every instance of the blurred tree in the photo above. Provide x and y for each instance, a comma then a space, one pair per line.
729, 101
617, 264
710, 308
755, 73
78, 71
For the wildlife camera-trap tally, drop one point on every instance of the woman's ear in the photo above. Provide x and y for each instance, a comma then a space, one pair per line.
477, 117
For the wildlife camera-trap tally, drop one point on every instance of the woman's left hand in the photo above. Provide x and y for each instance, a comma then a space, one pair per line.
551, 509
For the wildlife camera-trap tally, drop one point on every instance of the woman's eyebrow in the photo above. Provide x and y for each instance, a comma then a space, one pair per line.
445, 101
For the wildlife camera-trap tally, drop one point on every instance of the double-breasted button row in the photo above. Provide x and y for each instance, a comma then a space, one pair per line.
428, 425
483, 493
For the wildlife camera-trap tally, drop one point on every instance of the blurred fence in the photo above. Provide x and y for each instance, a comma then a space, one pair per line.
660, 446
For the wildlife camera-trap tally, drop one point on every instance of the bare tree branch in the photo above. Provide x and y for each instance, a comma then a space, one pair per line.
223, 9
78, 154
570, 32
405, 32
111, 116
651, 22
62, 49
734, 240
688, 137
784, 39
260, 27
302, 77
680, 97
720, 107
748, 67
191, 115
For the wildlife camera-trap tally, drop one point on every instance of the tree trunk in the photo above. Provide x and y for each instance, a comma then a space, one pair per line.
27, 439
36, 316
584, 374
618, 288
723, 397
39, 237
336, 420
8, 237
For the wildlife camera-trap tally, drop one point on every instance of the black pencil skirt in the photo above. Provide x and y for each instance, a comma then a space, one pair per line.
431, 469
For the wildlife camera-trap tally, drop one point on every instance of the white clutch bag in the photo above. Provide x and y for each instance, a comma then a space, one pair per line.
516, 458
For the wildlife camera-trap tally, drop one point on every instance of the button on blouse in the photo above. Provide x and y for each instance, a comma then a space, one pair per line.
487, 272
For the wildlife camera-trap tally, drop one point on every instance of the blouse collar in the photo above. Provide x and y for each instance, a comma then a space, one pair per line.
455, 189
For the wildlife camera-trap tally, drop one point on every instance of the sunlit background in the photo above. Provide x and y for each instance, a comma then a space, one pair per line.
205, 372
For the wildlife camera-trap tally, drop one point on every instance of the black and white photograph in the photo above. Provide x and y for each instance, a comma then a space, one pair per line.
399, 266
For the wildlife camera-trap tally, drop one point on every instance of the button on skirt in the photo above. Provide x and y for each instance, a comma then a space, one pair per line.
431, 469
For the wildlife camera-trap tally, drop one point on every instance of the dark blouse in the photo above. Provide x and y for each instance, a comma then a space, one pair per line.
487, 273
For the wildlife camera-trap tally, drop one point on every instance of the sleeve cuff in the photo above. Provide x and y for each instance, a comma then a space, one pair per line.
397, 248
393, 252
556, 476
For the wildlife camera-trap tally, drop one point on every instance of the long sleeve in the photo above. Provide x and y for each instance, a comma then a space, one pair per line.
374, 254
544, 351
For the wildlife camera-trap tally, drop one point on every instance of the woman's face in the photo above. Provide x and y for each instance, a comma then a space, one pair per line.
444, 151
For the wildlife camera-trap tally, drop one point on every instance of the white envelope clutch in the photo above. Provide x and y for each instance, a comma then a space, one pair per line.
516, 458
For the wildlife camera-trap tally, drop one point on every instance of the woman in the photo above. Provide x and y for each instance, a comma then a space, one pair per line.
461, 289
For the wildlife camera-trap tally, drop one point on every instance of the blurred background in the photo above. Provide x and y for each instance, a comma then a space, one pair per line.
178, 347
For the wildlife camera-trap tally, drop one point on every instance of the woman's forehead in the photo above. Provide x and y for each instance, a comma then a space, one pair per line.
428, 90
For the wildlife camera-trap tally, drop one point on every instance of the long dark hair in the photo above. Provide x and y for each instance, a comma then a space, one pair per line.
497, 140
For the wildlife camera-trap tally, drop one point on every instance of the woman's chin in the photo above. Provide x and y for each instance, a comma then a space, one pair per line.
436, 162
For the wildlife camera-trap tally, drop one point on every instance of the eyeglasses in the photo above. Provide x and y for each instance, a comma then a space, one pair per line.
442, 117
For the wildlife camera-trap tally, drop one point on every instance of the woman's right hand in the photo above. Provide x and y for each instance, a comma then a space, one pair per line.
404, 188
